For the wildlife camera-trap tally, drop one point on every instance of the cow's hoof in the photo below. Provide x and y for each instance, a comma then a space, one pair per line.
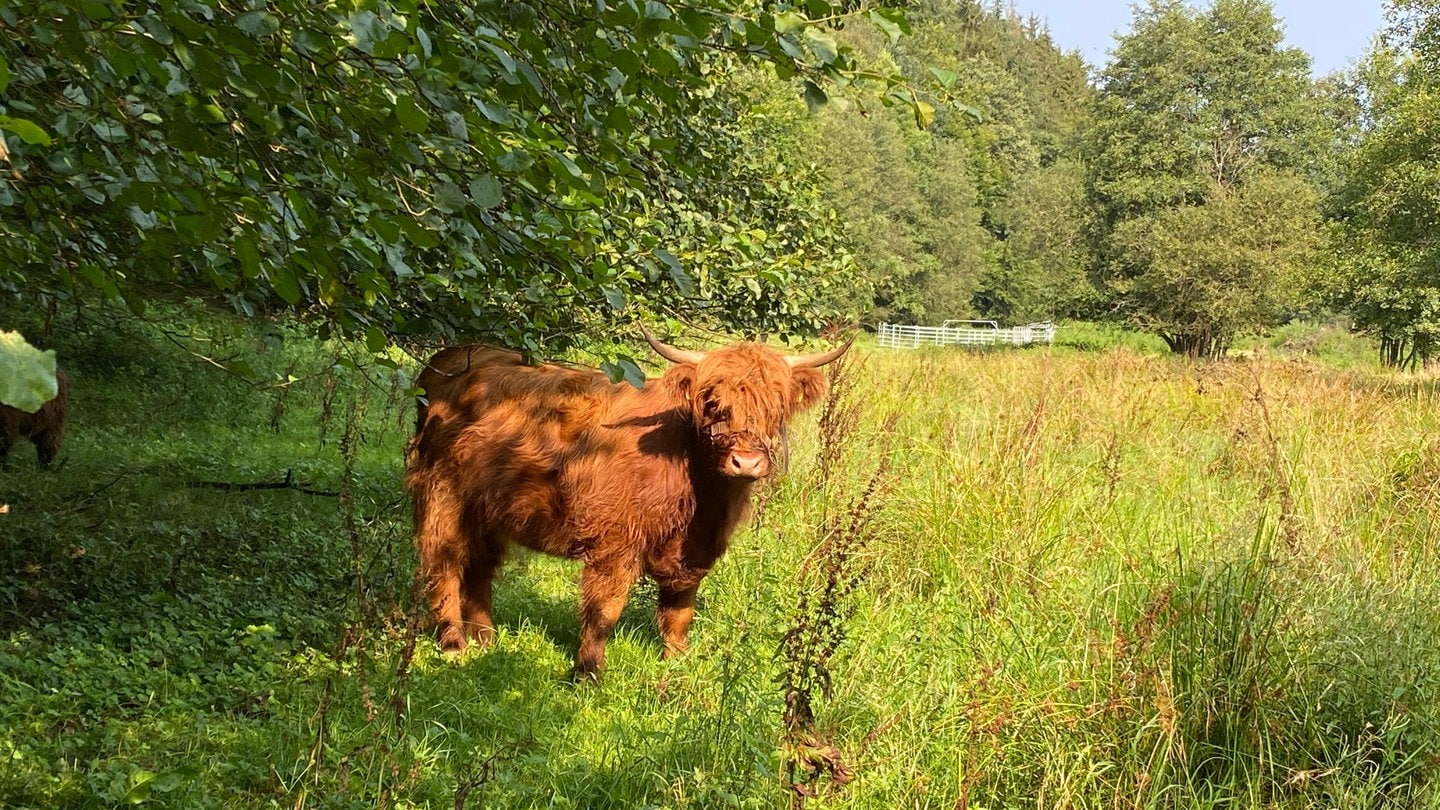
582, 675
452, 646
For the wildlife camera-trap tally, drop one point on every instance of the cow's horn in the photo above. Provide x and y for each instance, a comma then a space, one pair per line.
817, 360
671, 353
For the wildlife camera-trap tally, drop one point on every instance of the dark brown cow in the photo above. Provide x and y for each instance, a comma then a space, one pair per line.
45, 428
629, 481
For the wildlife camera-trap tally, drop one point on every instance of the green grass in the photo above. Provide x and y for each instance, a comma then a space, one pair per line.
1086, 580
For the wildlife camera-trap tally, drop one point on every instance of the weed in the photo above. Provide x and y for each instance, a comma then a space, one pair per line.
828, 578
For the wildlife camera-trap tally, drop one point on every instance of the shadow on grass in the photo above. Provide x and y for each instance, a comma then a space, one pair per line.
539, 594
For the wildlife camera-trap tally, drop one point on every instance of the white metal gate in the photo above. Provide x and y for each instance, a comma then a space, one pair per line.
963, 333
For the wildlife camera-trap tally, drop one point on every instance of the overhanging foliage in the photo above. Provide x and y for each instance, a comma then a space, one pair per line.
511, 170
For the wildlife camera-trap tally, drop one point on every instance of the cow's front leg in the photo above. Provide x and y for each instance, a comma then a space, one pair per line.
475, 590
677, 608
604, 588
444, 588
443, 553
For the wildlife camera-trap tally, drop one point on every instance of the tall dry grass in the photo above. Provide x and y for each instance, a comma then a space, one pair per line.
1125, 581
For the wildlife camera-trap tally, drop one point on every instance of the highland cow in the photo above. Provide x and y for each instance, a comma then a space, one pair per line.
45, 428
628, 480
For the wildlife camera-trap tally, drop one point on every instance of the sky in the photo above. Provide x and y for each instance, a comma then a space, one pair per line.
1334, 32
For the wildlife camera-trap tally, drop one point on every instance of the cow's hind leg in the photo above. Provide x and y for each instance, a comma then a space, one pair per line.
677, 608
604, 589
47, 446
475, 590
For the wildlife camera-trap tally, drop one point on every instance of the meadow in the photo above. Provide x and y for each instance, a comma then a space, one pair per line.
1086, 576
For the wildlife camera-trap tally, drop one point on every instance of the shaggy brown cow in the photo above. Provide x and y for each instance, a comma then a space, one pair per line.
630, 481
45, 428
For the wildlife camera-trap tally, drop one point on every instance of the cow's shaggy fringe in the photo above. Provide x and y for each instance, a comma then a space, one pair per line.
831, 573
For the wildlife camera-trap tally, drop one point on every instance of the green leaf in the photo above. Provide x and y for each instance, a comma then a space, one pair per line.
924, 114
156, 28
449, 198
387, 229
418, 234
946, 78
624, 368
822, 45
788, 22
614, 297
249, 256
632, 371
499, 115
257, 23
27, 374
28, 131
410, 116
886, 25
285, 284
374, 339
212, 113
139, 787
515, 161
486, 192
4, 74
681, 278
108, 131
815, 98
973, 112
891, 21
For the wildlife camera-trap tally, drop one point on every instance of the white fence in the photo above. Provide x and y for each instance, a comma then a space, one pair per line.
963, 333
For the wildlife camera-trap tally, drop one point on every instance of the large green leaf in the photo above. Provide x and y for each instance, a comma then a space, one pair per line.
411, 117
29, 131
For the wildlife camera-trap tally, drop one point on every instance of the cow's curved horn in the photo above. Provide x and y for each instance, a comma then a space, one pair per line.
817, 360
671, 353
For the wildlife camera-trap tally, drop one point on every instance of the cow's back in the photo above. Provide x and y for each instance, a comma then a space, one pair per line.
488, 390
550, 456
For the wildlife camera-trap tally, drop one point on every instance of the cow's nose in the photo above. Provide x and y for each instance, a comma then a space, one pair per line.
748, 465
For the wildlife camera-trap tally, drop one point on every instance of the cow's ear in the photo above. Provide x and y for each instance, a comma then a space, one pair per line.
679, 380
810, 385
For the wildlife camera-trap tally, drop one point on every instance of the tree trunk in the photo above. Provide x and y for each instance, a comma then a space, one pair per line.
1201, 346
1406, 354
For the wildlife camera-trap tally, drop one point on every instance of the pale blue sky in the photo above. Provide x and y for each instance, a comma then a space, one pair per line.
1334, 32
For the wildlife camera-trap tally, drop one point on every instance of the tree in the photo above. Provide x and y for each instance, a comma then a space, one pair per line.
520, 171
911, 213
1196, 108
1385, 246
1231, 261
